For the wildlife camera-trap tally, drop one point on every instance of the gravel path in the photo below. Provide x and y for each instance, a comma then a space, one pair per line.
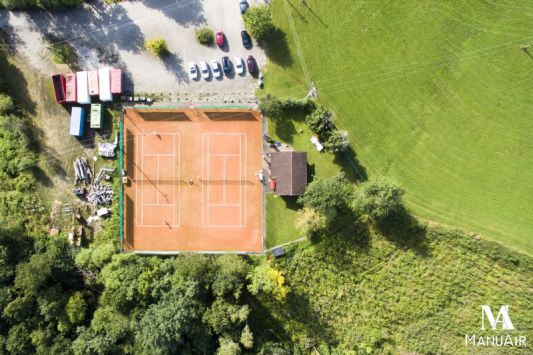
114, 35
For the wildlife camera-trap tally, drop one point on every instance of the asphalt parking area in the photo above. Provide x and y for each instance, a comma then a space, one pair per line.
114, 35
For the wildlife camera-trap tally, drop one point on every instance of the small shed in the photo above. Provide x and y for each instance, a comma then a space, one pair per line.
96, 116
76, 121
290, 171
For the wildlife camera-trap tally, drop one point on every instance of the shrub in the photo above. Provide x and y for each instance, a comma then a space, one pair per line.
63, 53
205, 36
258, 21
6, 104
157, 46
337, 141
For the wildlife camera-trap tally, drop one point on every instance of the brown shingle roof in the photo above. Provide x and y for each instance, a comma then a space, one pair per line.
290, 171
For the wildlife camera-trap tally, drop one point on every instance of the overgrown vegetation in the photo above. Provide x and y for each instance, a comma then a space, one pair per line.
44, 4
205, 36
63, 53
158, 46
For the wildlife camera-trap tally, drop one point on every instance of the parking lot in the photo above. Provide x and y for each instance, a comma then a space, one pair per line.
115, 35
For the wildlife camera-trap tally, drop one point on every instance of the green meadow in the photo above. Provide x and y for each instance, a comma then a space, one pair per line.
435, 95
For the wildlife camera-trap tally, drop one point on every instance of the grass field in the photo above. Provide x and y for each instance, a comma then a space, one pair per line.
435, 95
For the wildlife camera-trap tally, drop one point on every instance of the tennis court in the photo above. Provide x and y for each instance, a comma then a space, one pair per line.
192, 184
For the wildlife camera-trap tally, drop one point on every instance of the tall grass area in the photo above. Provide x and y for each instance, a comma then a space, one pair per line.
389, 296
435, 95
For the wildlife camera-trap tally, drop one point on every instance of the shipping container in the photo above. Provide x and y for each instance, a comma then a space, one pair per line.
82, 87
70, 87
93, 83
96, 116
76, 121
58, 81
104, 85
116, 81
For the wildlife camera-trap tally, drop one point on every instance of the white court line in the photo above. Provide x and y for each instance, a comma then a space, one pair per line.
224, 155
223, 205
157, 179
242, 171
142, 204
203, 179
136, 168
158, 155
224, 180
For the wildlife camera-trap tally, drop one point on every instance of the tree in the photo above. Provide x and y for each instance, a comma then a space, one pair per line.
321, 121
271, 106
228, 347
258, 21
379, 199
337, 141
45, 4
327, 195
265, 278
230, 276
173, 324
205, 36
157, 46
76, 308
226, 318
247, 337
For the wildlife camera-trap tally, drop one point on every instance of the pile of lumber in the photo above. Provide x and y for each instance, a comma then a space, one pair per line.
100, 194
82, 171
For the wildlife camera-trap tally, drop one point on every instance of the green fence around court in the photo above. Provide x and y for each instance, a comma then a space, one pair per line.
120, 189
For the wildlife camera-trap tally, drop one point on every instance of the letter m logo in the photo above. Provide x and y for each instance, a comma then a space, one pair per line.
503, 318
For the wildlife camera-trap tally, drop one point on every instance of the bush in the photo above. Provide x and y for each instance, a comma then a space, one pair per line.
379, 199
63, 53
205, 36
6, 104
337, 141
157, 46
258, 21
44, 4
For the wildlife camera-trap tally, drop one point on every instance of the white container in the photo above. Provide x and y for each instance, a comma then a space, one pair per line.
82, 86
104, 81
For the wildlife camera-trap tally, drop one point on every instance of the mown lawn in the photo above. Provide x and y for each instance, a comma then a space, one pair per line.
435, 95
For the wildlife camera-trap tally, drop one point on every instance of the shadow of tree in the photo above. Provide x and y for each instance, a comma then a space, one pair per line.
186, 13
174, 64
12, 80
277, 48
291, 202
350, 165
406, 232
97, 25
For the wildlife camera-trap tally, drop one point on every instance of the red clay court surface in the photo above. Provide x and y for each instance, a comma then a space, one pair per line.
192, 183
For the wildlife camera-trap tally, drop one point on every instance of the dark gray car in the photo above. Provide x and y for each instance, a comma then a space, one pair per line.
244, 6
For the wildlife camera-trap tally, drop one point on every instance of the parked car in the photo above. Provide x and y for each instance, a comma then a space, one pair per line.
239, 65
226, 65
252, 65
220, 38
215, 66
243, 5
246, 40
204, 68
193, 71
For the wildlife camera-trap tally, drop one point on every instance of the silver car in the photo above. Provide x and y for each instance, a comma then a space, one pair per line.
217, 70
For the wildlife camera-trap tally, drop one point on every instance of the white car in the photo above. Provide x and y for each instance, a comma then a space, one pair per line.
204, 68
239, 65
217, 72
193, 72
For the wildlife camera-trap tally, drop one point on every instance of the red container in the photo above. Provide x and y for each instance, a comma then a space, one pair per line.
70, 88
58, 81
116, 81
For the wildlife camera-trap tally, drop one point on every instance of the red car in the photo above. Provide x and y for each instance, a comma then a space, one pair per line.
220, 38
252, 65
